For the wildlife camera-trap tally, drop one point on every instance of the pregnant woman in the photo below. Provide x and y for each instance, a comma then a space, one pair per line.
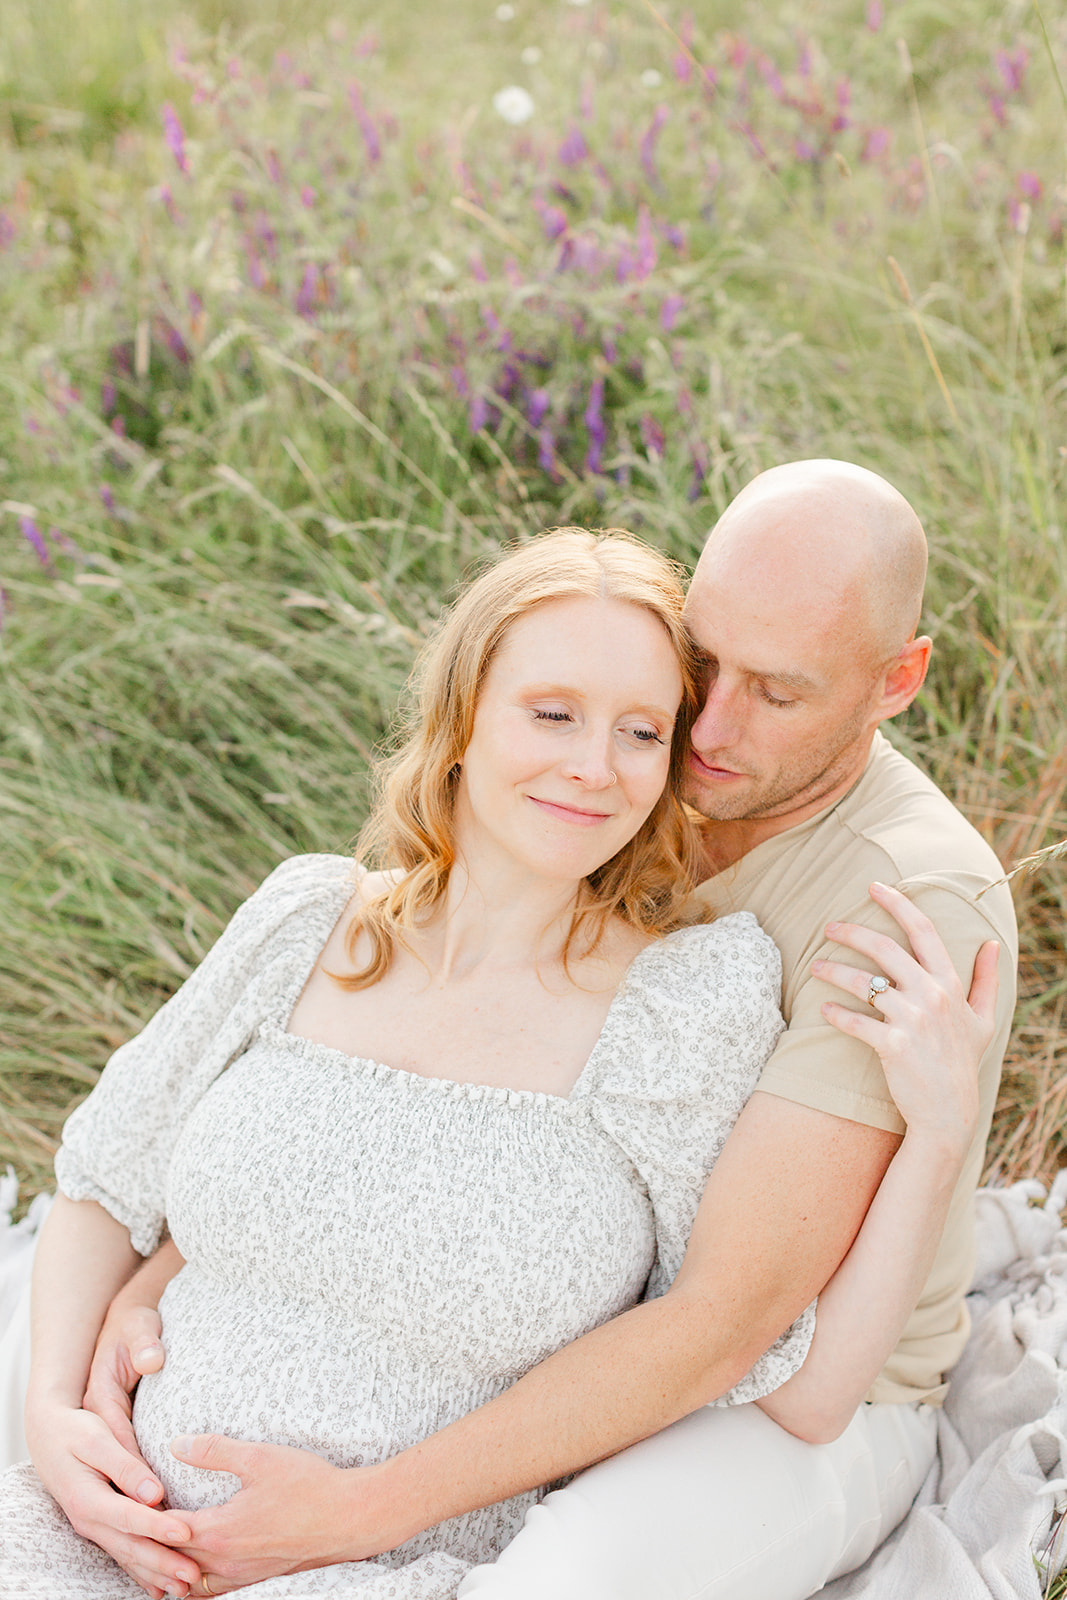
414, 1130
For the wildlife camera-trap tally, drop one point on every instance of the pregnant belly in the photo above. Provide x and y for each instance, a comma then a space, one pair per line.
283, 1374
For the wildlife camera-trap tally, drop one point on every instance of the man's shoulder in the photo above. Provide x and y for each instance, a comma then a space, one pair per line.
898, 815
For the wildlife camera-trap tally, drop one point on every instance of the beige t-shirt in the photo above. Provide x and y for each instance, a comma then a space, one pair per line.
896, 826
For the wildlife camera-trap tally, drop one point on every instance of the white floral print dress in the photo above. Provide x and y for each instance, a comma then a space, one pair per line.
372, 1253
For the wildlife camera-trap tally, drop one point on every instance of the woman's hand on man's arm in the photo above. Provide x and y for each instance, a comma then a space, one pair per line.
930, 1036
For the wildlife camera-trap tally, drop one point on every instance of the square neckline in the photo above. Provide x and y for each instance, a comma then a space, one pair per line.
277, 1025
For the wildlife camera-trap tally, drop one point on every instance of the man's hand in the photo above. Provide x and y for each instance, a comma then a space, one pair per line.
293, 1511
103, 1488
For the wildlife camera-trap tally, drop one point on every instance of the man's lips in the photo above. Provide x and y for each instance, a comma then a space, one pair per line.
584, 819
715, 774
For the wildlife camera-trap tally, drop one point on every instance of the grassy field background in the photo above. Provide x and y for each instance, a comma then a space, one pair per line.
296, 326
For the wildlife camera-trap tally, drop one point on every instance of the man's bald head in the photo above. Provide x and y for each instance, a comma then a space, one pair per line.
838, 540
804, 603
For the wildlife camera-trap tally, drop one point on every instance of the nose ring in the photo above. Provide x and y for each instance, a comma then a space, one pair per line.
614, 779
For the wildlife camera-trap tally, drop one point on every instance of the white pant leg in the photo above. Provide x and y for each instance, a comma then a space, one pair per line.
724, 1505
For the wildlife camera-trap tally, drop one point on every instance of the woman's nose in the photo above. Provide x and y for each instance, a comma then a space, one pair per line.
590, 762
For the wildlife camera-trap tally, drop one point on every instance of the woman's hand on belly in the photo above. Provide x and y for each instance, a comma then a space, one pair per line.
294, 1511
98, 1483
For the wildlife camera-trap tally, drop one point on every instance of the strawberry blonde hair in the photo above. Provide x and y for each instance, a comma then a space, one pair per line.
410, 828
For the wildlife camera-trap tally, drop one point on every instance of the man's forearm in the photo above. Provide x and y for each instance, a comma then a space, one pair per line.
616, 1385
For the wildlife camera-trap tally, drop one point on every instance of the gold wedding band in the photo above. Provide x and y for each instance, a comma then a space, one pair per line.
205, 1579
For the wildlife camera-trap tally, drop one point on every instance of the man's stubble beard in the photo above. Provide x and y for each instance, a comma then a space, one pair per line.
795, 786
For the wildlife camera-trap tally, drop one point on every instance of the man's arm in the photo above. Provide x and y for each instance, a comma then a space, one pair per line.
780, 1211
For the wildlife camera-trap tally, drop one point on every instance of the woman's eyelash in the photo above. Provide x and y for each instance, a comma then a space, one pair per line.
642, 735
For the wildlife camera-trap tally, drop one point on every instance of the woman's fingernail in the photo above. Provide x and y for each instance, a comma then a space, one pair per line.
150, 1349
148, 1490
182, 1445
832, 927
817, 966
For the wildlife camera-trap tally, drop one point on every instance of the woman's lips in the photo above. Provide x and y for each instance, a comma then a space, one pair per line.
584, 819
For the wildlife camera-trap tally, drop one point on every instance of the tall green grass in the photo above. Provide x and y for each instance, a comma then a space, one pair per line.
282, 362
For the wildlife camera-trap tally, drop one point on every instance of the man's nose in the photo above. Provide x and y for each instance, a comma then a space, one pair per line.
717, 725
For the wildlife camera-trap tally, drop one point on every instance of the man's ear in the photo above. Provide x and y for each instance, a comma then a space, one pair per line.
904, 676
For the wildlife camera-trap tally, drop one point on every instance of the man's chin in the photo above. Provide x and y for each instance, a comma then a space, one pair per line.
725, 804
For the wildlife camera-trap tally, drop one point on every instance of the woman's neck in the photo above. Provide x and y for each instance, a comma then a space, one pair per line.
495, 919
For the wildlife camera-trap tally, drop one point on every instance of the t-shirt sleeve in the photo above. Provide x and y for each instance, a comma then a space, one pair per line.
117, 1145
815, 1064
692, 1028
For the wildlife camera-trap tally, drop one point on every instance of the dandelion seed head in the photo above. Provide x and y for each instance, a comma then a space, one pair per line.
530, 56
651, 79
505, 13
515, 104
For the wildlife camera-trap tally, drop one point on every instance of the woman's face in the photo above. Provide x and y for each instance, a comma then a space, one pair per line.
572, 736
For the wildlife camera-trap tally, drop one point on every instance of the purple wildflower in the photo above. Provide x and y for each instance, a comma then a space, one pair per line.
118, 426
803, 150
673, 235
460, 382
700, 472
107, 498
477, 266
307, 294
574, 148
611, 351
274, 169
176, 344
108, 396
266, 233
595, 425
1019, 214
771, 76
234, 68
645, 262
33, 536
256, 276
624, 266
670, 311
308, 197
648, 144
7, 230
1029, 184
655, 439
876, 144
367, 45
1012, 64
553, 219
875, 15
537, 407
804, 61
682, 66
196, 305
64, 542
174, 137
843, 96
367, 126
478, 413
546, 453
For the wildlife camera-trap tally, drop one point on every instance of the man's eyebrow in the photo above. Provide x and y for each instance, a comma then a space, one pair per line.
789, 677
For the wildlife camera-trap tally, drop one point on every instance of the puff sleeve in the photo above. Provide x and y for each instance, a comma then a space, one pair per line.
696, 1019
116, 1145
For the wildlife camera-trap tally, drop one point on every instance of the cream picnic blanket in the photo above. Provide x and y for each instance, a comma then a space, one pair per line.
996, 1491
995, 1494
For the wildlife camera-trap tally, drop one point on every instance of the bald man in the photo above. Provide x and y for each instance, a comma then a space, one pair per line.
805, 604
